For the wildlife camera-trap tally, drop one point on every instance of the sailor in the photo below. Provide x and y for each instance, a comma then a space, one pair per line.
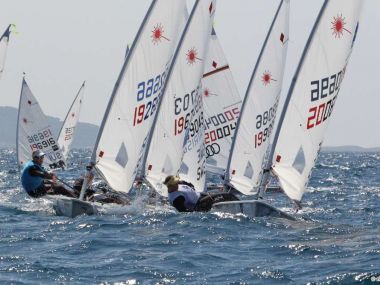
100, 194
184, 198
38, 182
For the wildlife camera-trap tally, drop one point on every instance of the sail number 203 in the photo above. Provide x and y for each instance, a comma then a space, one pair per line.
321, 89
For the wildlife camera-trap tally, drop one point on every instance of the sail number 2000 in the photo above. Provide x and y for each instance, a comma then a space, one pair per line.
321, 89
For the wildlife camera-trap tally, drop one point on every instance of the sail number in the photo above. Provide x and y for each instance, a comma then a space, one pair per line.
183, 123
262, 136
144, 111
220, 133
188, 120
150, 87
44, 144
222, 118
147, 90
183, 104
42, 140
267, 117
39, 136
266, 121
321, 89
69, 132
222, 125
320, 113
326, 86
201, 162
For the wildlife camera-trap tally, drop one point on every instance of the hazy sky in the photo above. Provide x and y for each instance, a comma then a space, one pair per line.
61, 43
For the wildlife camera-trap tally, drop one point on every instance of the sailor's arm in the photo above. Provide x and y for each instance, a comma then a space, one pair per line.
34, 171
187, 183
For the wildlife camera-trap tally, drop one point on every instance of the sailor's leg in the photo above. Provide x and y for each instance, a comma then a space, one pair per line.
61, 190
205, 202
39, 192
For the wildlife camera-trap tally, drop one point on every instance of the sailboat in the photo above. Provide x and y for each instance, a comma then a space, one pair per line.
34, 132
129, 115
66, 134
309, 103
3, 48
251, 141
222, 104
178, 129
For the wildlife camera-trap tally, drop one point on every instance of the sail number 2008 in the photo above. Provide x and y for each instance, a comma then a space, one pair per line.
321, 89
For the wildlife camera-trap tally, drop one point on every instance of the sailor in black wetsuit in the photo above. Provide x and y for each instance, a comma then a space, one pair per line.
100, 194
37, 182
184, 198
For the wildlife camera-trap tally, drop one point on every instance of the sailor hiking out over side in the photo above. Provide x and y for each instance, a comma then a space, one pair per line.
38, 182
184, 198
100, 193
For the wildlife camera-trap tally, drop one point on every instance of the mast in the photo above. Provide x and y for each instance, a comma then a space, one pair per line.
72, 104
165, 86
18, 121
126, 51
69, 111
116, 87
266, 174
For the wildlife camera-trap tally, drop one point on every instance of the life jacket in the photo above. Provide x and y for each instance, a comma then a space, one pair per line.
191, 196
29, 182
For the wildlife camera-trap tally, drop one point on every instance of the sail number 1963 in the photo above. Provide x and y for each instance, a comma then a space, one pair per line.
321, 89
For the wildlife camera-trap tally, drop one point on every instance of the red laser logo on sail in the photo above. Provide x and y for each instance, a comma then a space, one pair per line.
267, 78
191, 56
207, 93
158, 34
338, 26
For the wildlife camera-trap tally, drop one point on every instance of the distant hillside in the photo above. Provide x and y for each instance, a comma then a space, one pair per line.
350, 148
84, 137
86, 133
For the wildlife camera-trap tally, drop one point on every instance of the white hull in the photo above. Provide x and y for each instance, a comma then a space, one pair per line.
71, 207
250, 208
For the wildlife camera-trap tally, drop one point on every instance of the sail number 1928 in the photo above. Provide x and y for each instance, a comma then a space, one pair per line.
148, 90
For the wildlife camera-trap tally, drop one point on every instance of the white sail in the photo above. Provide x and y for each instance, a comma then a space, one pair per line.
222, 104
259, 108
66, 135
135, 97
3, 48
192, 168
180, 117
313, 94
34, 132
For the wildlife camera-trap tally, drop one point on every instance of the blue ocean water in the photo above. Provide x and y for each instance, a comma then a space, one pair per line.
336, 239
